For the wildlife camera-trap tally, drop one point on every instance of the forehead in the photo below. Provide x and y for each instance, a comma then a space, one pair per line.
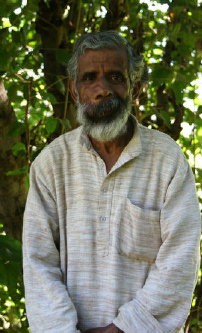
106, 59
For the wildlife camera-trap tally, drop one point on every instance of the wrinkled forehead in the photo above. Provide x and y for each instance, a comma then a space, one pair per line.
107, 58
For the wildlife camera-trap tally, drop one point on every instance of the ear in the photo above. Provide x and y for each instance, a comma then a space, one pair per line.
72, 90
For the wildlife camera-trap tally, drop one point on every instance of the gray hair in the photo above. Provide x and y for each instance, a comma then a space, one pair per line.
137, 69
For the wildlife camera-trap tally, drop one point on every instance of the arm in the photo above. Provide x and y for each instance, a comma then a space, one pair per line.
48, 305
162, 305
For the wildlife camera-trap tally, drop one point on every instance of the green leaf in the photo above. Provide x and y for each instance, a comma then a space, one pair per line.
176, 29
161, 74
17, 128
178, 87
165, 117
10, 261
65, 124
51, 125
19, 149
18, 172
199, 136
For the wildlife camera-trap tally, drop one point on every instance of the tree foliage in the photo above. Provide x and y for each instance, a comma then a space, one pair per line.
36, 40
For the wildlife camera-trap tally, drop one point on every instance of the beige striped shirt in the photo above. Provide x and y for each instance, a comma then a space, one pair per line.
121, 247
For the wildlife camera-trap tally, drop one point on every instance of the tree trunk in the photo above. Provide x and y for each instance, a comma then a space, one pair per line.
12, 188
55, 33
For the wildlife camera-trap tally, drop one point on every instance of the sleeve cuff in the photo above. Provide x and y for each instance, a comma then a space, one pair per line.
134, 318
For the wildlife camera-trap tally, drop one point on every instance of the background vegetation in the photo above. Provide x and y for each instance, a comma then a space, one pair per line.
36, 40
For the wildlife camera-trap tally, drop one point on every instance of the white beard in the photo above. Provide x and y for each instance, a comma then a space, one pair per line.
103, 129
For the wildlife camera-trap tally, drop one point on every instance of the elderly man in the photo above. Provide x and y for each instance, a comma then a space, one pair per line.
112, 224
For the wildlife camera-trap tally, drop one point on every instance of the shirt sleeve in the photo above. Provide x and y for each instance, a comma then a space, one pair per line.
49, 307
163, 304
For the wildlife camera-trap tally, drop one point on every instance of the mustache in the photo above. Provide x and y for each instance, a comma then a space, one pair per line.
105, 109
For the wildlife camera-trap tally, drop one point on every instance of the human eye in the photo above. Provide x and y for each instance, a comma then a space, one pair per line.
116, 77
88, 77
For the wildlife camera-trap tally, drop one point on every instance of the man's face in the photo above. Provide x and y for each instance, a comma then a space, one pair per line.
103, 93
101, 72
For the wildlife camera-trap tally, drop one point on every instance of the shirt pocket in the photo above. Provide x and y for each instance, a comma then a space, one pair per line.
139, 235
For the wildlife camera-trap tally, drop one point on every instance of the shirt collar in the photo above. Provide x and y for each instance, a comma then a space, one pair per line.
133, 148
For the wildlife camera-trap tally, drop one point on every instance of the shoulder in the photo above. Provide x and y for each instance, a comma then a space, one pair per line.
159, 141
162, 148
59, 148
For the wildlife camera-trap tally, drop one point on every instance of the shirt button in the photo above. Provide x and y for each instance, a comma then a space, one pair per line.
104, 190
103, 218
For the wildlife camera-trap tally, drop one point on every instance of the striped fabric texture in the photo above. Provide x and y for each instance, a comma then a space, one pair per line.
118, 247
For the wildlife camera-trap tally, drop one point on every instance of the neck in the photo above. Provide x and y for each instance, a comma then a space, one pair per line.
110, 151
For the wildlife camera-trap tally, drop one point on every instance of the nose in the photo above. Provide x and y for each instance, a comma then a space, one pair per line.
102, 90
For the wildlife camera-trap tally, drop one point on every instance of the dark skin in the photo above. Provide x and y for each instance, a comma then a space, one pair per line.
111, 150
101, 74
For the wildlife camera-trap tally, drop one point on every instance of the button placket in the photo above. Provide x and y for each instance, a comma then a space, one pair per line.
104, 211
